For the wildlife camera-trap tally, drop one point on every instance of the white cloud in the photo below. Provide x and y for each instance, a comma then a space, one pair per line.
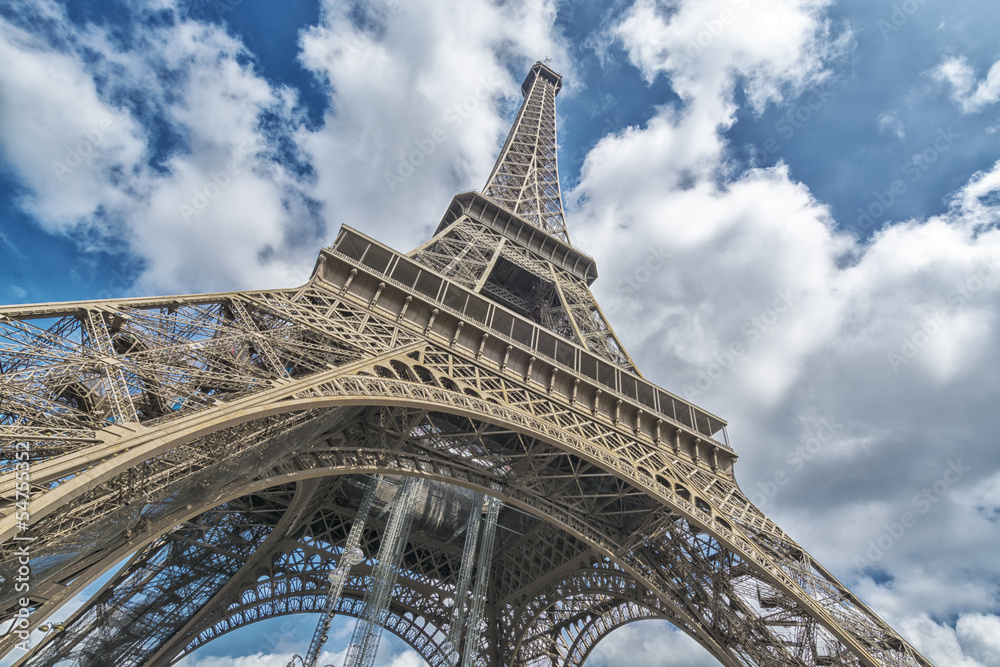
645, 643
767, 313
980, 635
706, 50
216, 212
972, 643
705, 46
888, 121
421, 100
62, 139
973, 96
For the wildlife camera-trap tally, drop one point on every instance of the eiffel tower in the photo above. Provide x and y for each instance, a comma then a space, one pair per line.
230, 447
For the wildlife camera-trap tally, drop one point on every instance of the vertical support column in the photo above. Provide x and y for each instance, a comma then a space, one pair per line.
483, 567
350, 556
115, 383
465, 580
368, 631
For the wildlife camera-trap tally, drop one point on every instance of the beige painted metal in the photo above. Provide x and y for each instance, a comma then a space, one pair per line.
218, 438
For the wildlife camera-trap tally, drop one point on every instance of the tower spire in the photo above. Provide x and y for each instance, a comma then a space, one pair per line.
525, 178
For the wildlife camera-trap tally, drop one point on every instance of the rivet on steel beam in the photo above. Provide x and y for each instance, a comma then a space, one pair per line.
349, 280
402, 311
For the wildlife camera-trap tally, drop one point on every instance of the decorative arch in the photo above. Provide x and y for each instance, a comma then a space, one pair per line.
547, 450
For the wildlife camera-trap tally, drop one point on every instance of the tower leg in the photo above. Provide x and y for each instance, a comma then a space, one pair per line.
464, 579
368, 631
338, 577
483, 562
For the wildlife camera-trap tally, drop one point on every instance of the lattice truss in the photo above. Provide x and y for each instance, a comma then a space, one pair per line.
475, 256
230, 478
525, 178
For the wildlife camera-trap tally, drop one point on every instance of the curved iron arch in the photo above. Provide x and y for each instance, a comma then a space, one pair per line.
408, 630
363, 390
441, 477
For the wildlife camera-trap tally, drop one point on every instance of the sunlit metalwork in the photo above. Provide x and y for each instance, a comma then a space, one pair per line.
221, 443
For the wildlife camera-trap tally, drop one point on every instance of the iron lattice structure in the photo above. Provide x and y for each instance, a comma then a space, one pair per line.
222, 443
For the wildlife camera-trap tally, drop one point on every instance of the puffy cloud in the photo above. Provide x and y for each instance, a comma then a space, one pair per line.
64, 140
980, 634
972, 643
645, 643
85, 122
837, 361
971, 95
175, 149
705, 47
422, 98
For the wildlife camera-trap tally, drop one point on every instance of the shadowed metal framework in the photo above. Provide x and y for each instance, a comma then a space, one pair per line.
222, 443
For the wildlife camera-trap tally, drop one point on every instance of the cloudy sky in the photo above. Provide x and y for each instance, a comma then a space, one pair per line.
793, 205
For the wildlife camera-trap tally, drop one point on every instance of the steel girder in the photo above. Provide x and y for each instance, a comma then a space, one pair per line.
473, 255
210, 435
525, 179
669, 518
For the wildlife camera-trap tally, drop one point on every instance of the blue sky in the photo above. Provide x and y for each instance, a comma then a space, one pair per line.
822, 178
